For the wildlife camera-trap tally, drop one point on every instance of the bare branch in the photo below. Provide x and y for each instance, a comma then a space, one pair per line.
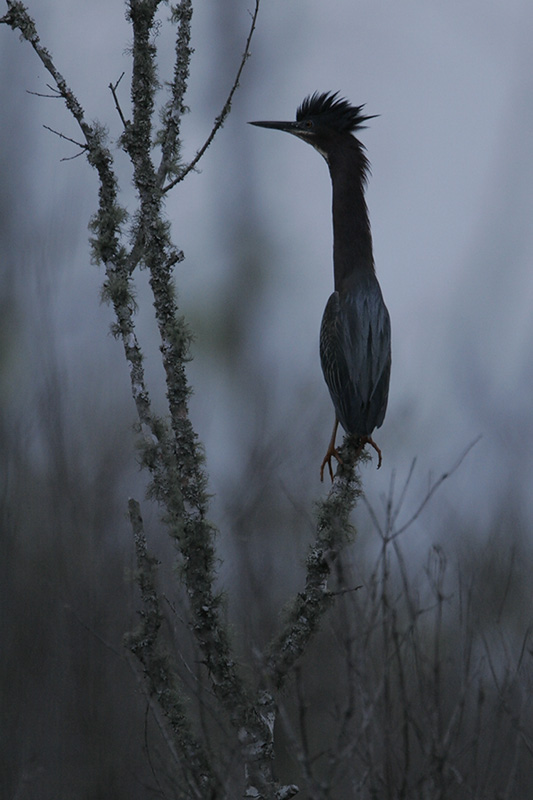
55, 96
436, 485
389, 531
113, 87
18, 18
67, 138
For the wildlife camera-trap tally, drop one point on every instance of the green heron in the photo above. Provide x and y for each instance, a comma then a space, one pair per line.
355, 338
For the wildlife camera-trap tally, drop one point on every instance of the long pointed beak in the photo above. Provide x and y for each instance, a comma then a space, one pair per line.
289, 127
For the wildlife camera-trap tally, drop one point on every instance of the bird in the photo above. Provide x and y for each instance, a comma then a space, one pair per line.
355, 334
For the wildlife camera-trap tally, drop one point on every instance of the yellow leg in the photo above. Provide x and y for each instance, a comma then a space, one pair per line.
332, 452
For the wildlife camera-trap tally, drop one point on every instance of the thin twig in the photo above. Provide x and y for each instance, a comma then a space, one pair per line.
436, 485
55, 96
72, 158
67, 138
340, 592
113, 87
403, 493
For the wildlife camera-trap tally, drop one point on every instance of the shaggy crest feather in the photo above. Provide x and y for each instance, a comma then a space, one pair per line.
335, 113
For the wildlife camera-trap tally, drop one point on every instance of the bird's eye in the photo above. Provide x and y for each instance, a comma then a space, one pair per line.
309, 123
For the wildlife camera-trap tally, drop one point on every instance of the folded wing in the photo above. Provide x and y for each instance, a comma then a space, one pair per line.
355, 352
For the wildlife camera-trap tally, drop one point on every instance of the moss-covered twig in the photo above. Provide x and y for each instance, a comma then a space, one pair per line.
226, 108
332, 534
160, 674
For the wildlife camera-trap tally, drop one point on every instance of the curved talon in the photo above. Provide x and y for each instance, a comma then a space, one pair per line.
332, 451
369, 440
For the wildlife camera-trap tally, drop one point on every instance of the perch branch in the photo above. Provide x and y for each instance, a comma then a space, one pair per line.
333, 532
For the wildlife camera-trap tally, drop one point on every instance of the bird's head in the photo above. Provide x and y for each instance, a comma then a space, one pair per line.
321, 119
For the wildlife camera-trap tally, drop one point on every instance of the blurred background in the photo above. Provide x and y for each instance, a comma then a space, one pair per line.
451, 203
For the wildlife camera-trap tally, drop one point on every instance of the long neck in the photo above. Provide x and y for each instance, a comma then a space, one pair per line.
352, 240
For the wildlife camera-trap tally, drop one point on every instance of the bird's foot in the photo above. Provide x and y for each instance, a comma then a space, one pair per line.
332, 453
369, 440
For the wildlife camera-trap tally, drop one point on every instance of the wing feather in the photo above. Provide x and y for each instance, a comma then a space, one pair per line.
355, 352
